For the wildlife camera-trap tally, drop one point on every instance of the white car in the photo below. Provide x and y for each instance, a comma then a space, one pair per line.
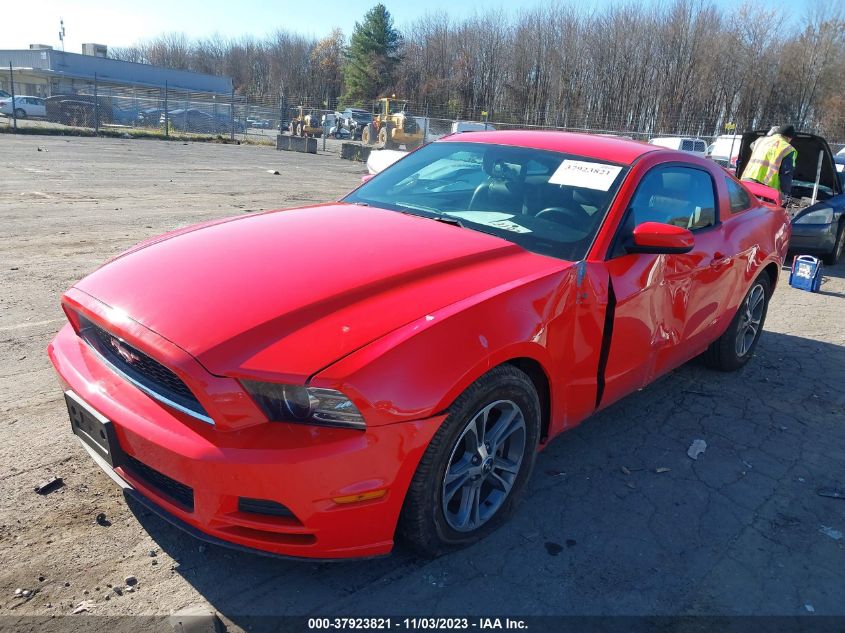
696, 146
725, 149
470, 126
24, 107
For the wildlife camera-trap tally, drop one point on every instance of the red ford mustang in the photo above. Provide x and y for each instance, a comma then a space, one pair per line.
312, 382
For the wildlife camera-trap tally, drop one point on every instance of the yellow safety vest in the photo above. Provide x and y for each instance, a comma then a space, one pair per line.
768, 154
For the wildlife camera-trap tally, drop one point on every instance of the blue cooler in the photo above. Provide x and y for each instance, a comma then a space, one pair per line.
806, 273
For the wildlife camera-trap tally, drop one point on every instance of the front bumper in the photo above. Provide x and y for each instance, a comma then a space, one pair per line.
301, 467
813, 238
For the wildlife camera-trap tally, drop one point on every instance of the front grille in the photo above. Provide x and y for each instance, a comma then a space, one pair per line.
178, 493
409, 125
149, 374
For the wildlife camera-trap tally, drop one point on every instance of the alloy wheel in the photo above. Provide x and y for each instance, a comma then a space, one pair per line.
750, 316
484, 465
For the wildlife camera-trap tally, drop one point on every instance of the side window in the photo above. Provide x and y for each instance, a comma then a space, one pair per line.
681, 196
740, 200
536, 168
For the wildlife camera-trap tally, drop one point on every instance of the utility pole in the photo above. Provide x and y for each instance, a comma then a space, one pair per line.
232, 115
12, 82
62, 33
166, 114
96, 107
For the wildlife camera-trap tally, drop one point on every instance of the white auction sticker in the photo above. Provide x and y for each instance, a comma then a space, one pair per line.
507, 225
495, 219
579, 173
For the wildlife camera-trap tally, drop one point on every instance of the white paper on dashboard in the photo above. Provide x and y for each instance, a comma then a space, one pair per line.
579, 173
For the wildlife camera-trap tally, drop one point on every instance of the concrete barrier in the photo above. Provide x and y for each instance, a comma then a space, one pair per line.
296, 144
305, 145
355, 151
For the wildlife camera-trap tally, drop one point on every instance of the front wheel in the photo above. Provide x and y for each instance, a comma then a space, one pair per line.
736, 346
20, 113
833, 257
476, 466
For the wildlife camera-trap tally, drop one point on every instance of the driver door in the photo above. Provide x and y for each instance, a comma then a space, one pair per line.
667, 306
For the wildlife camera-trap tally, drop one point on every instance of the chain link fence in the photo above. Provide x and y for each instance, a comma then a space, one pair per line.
107, 109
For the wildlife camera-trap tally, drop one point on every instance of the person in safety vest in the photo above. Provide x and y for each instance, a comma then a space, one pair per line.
773, 159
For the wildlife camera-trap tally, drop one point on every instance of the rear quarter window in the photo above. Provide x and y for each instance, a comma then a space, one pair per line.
740, 200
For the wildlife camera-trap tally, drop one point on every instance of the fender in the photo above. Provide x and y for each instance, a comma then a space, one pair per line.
402, 376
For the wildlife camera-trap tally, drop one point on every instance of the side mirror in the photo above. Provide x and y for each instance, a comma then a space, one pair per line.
366, 178
656, 237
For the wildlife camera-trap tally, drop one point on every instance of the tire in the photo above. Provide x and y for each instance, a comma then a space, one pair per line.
368, 135
433, 520
20, 113
833, 257
384, 139
736, 346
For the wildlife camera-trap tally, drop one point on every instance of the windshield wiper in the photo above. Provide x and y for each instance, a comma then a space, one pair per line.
429, 214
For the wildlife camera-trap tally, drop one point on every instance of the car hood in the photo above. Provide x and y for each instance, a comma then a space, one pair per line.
808, 146
284, 294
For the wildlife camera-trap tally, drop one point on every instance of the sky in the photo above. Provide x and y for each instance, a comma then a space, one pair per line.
122, 23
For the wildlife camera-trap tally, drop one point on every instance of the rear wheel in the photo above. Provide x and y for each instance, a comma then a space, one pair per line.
368, 135
736, 346
476, 466
838, 248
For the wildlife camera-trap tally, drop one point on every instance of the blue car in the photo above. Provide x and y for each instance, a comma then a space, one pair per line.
816, 204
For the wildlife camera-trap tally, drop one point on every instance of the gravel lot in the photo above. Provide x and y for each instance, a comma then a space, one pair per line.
742, 530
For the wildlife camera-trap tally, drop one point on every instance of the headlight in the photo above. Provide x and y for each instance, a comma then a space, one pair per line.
820, 216
310, 405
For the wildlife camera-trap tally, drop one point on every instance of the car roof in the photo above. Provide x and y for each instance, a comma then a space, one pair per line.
613, 149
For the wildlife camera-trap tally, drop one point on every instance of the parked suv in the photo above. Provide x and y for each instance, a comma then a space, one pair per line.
355, 120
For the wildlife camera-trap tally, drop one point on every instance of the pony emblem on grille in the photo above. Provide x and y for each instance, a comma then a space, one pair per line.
124, 353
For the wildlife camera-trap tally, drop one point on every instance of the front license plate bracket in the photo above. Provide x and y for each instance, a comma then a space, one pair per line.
93, 428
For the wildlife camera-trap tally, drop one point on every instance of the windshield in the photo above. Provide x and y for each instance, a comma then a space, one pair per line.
397, 106
366, 117
803, 184
547, 202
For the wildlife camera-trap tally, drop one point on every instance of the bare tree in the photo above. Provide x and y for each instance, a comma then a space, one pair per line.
668, 66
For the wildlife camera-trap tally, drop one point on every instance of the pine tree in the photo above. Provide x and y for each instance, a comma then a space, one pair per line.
372, 57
